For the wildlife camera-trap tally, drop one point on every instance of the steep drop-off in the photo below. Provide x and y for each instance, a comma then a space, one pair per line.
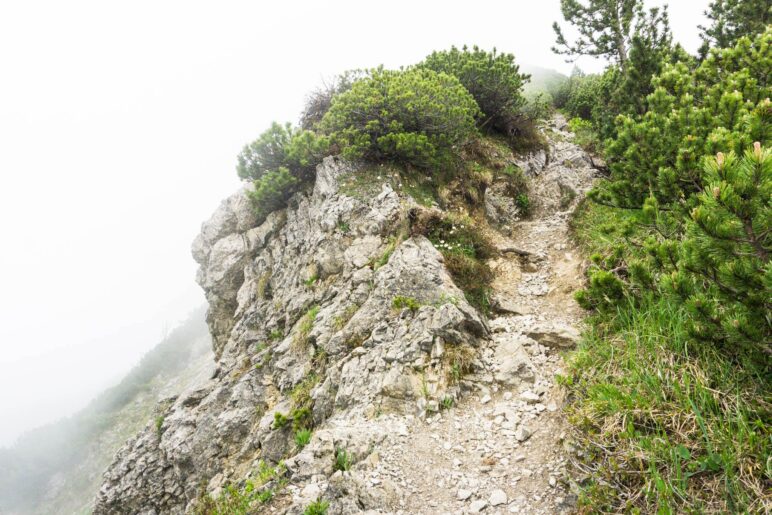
58, 468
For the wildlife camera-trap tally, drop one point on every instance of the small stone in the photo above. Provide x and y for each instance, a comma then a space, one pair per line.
486, 399
463, 495
498, 497
522, 434
478, 506
530, 397
553, 481
552, 406
507, 396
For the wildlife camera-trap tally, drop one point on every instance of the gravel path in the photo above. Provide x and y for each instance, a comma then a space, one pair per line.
500, 450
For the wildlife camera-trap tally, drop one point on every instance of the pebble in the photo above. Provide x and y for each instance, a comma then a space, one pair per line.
478, 506
530, 397
463, 495
498, 497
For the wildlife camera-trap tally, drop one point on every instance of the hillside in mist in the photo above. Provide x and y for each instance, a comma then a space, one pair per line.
57, 468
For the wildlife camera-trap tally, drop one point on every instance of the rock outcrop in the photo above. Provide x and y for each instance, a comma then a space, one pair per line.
327, 314
299, 303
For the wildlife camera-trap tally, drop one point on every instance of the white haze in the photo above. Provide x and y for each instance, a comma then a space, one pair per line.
119, 127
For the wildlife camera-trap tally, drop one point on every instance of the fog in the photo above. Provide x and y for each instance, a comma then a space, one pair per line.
119, 127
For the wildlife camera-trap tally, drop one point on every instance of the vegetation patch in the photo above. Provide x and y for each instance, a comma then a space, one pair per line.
263, 285
584, 134
255, 492
318, 507
464, 248
401, 302
667, 423
342, 460
302, 437
414, 117
458, 361
343, 318
300, 341
159, 422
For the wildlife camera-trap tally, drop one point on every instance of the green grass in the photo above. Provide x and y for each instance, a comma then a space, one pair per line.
340, 321
317, 508
667, 425
344, 227
306, 325
342, 460
465, 250
302, 437
247, 499
402, 302
280, 420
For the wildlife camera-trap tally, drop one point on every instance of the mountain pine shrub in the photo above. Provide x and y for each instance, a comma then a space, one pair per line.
297, 150
416, 117
272, 190
493, 79
279, 162
721, 106
724, 272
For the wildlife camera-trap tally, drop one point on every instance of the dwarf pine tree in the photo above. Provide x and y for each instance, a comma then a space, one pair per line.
704, 228
724, 271
721, 106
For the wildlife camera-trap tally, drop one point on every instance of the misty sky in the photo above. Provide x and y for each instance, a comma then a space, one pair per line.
119, 127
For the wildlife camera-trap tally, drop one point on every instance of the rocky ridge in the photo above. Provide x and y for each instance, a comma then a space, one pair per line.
304, 326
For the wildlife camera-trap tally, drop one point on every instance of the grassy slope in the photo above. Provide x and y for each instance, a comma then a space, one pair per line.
666, 425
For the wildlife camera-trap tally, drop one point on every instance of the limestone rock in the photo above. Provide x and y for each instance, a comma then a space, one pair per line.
498, 497
270, 324
555, 335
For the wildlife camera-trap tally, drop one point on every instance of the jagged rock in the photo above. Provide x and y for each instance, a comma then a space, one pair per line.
555, 335
256, 279
530, 397
301, 314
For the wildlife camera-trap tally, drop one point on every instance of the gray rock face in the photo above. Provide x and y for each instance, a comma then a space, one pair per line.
295, 303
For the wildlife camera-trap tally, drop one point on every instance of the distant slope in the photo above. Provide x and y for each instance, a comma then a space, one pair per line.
542, 79
58, 468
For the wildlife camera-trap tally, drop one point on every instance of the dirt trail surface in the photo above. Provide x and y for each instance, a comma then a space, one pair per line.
500, 449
